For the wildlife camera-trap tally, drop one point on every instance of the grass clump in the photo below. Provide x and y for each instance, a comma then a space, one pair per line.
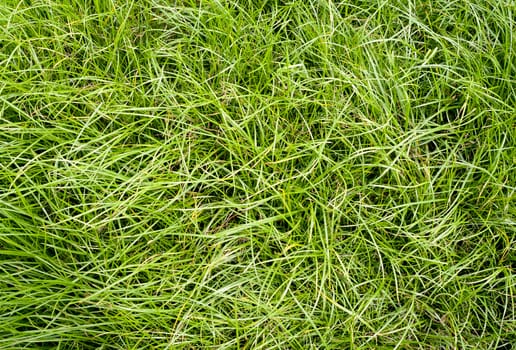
257, 174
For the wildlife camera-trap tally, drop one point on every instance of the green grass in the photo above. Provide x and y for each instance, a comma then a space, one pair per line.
257, 174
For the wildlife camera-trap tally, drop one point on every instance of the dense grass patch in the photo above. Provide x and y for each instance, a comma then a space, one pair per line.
257, 174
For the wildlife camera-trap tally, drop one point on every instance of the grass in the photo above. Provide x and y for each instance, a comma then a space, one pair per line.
263, 174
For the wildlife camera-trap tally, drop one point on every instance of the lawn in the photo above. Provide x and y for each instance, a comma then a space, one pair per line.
257, 174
